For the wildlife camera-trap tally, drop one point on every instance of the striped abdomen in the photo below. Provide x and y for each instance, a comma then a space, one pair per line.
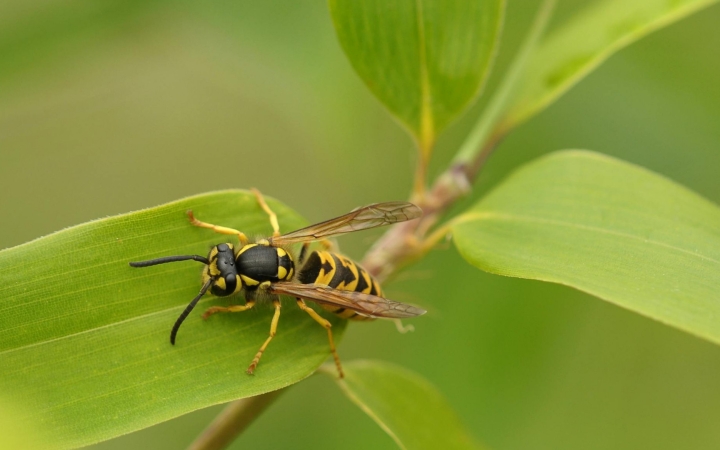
340, 273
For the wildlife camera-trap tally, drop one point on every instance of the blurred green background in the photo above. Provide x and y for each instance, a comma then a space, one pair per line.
108, 107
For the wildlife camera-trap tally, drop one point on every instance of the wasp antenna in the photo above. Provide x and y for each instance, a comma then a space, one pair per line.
189, 308
169, 259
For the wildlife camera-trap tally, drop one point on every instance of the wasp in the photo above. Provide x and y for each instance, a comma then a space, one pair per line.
266, 268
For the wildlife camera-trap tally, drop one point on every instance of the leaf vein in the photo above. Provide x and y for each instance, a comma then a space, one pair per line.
490, 215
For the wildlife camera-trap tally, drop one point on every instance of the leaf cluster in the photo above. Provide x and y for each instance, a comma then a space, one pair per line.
84, 338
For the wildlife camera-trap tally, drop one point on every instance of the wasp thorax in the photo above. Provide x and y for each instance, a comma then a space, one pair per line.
259, 263
223, 270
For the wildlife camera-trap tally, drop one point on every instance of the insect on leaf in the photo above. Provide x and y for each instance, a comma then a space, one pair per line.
84, 338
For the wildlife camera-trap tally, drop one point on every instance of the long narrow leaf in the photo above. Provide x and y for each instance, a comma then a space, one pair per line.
572, 51
405, 405
606, 227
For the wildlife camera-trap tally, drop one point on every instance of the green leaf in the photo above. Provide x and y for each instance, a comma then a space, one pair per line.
84, 338
606, 227
475, 142
584, 42
405, 405
16, 433
425, 60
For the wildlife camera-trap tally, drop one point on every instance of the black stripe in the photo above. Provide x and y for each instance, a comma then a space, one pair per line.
373, 291
303, 253
362, 284
342, 274
326, 267
310, 270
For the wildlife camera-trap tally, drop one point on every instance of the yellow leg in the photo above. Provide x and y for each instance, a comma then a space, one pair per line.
273, 330
328, 327
266, 208
328, 245
218, 229
235, 308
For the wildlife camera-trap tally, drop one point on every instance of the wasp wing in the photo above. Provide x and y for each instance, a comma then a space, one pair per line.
365, 304
370, 216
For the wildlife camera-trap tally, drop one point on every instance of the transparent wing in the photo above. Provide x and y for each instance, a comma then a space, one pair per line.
370, 216
365, 304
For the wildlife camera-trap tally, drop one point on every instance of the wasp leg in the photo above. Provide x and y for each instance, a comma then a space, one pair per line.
303, 254
329, 245
266, 208
218, 229
328, 326
235, 308
273, 330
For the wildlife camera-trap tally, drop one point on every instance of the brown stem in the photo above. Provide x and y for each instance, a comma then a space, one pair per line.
233, 420
404, 242
398, 246
408, 240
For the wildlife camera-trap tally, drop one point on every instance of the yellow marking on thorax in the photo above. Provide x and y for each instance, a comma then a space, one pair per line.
244, 249
281, 252
282, 272
249, 281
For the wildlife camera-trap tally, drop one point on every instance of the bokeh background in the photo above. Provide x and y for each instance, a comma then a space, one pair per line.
108, 107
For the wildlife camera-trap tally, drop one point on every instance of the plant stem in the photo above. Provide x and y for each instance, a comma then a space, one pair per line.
233, 420
407, 241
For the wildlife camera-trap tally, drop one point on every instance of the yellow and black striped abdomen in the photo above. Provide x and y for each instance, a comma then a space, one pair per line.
338, 272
